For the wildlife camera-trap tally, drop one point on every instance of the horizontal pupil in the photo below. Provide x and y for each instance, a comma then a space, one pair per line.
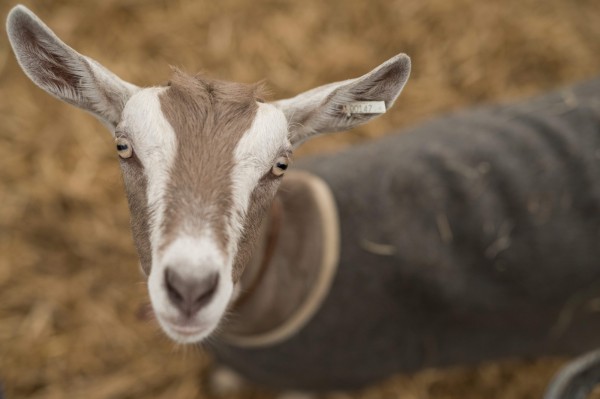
281, 166
122, 147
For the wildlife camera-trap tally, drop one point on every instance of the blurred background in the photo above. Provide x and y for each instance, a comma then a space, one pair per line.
70, 289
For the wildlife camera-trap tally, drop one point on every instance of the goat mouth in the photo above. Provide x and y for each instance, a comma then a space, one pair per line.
186, 330
186, 333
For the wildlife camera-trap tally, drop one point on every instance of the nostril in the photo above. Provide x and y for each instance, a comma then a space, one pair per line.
190, 294
171, 282
210, 286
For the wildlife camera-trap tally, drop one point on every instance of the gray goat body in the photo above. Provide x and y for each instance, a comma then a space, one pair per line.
492, 221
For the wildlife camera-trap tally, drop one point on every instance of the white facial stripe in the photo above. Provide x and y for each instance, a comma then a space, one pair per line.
155, 143
195, 257
254, 156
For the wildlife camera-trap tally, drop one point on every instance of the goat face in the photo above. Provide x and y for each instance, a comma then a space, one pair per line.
201, 162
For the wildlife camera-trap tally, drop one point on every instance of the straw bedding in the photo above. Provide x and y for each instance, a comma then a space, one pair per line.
70, 288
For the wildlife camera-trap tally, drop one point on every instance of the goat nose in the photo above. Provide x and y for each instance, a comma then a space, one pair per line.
190, 294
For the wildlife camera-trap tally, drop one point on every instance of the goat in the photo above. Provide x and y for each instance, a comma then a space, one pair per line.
470, 238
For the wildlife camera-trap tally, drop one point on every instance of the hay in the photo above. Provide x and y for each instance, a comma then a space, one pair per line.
69, 320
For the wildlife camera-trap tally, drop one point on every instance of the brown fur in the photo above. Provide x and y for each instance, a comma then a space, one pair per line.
209, 118
135, 187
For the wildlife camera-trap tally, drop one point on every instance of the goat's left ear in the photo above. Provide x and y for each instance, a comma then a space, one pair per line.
344, 105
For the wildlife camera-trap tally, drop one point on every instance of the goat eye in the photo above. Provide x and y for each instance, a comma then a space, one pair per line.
281, 164
124, 148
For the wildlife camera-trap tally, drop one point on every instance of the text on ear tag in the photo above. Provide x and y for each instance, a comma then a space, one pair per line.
364, 107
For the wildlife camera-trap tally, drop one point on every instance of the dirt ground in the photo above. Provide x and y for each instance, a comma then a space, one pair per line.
70, 288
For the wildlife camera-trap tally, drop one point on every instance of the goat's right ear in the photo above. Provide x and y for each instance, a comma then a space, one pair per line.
63, 72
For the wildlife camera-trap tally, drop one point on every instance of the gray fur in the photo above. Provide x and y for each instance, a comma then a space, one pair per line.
490, 221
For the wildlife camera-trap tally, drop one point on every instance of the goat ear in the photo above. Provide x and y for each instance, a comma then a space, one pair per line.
344, 105
63, 72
